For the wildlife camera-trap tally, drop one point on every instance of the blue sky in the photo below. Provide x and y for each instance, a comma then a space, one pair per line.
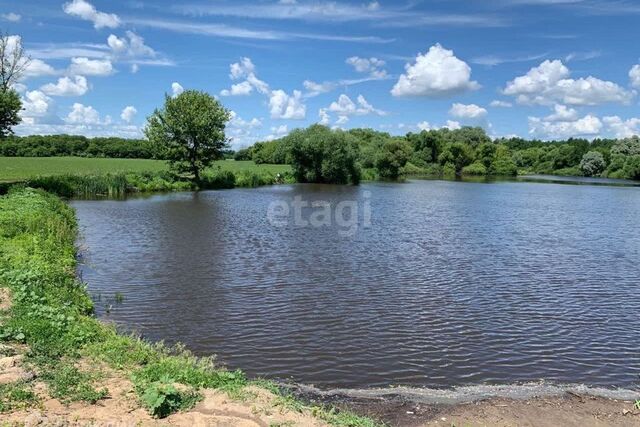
533, 68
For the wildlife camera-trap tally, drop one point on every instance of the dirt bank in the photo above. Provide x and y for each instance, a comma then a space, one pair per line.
569, 410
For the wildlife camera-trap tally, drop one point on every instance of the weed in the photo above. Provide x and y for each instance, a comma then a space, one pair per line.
14, 396
118, 298
162, 398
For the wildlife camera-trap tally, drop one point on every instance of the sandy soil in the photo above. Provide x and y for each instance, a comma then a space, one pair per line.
566, 411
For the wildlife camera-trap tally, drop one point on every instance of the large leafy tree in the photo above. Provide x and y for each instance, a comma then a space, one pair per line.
322, 155
13, 64
189, 131
10, 106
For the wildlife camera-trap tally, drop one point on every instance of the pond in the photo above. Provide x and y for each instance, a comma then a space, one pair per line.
437, 284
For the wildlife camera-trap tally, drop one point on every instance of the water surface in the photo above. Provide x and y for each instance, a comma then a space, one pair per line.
452, 283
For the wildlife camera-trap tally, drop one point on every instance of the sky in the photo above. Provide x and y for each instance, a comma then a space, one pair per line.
542, 69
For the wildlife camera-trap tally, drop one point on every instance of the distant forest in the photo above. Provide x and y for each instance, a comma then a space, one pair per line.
465, 151
320, 154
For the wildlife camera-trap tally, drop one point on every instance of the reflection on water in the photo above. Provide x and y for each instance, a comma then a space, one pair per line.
452, 283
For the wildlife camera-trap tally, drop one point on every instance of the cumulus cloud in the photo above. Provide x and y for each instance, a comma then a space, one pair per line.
282, 105
32, 67
562, 113
85, 10
83, 115
622, 128
66, 86
239, 89
285, 106
35, 104
277, 132
344, 106
90, 67
131, 46
372, 66
471, 111
176, 89
244, 69
434, 74
549, 83
37, 68
587, 126
634, 75
128, 113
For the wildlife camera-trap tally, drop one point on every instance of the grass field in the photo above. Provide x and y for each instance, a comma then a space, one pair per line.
19, 168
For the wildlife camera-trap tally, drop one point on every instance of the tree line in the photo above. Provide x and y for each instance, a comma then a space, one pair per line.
445, 152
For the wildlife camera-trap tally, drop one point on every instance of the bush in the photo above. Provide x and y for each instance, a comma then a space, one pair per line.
592, 163
322, 155
476, 168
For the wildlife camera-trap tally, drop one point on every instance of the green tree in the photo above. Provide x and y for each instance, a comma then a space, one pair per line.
13, 64
10, 106
319, 154
189, 131
592, 163
394, 156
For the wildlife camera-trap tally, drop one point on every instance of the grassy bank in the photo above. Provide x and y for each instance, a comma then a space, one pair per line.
51, 315
93, 177
21, 168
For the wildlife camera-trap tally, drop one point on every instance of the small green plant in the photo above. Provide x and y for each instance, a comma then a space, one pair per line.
637, 404
69, 384
162, 398
119, 298
14, 396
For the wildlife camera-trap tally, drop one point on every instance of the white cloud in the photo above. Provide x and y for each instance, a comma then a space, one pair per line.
85, 10
281, 104
133, 46
344, 106
35, 104
562, 113
424, 125
549, 83
471, 111
176, 89
66, 86
243, 88
244, 69
285, 106
314, 88
135, 68
452, 125
83, 115
634, 75
500, 104
371, 66
277, 132
11, 17
622, 128
587, 126
37, 68
128, 113
436, 73
90, 67
324, 117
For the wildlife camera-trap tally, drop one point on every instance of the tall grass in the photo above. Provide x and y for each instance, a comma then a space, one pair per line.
120, 184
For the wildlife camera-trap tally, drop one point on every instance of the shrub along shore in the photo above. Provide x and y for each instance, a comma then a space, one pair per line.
51, 315
116, 185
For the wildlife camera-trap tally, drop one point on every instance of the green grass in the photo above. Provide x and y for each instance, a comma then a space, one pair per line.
52, 314
21, 168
